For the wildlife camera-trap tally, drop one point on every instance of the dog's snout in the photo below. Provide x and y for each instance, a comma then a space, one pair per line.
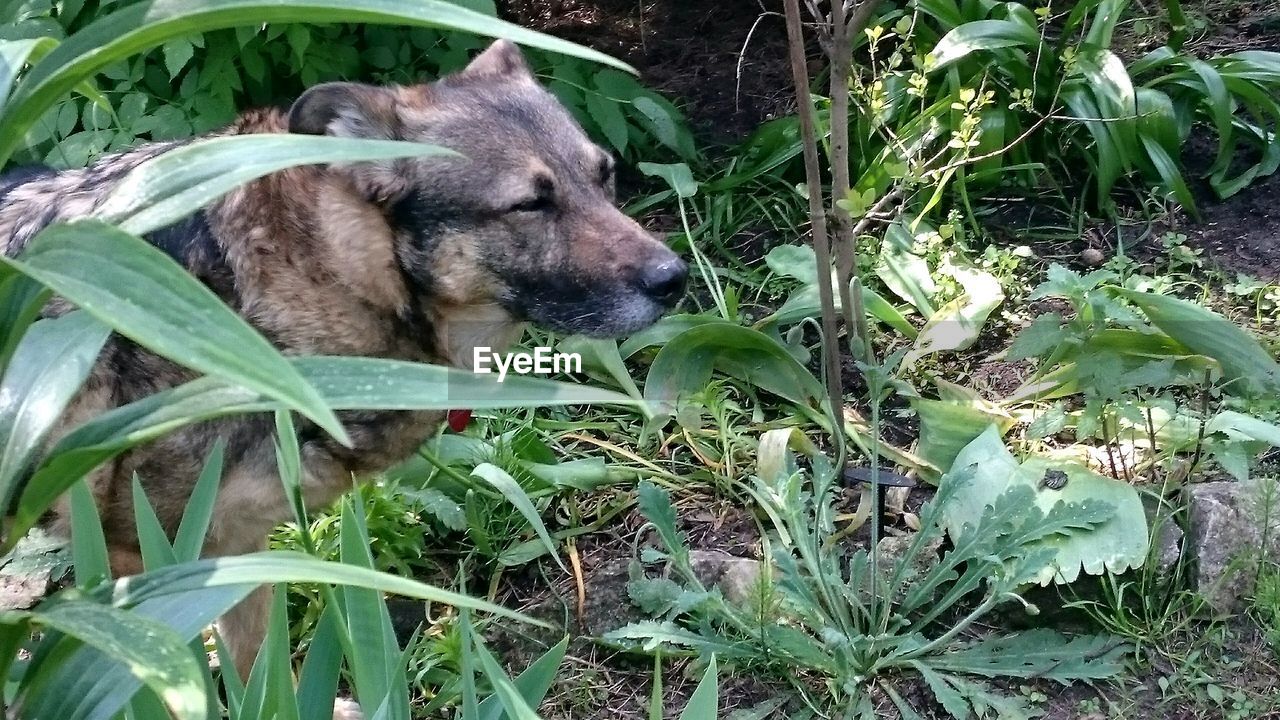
664, 281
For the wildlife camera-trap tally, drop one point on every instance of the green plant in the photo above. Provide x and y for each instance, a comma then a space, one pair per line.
1128, 352
1137, 117
103, 642
197, 81
855, 622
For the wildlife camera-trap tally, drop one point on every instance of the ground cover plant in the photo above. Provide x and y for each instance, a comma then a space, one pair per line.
962, 254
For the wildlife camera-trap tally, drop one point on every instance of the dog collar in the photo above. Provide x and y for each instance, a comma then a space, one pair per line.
458, 420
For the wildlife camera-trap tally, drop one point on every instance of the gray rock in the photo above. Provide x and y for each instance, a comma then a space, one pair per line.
1167, 533
893, 553
1225, 538
735, 576
1168, 547
23, 591
608, 604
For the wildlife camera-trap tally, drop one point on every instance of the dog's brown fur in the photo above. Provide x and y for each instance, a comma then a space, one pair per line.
413, 259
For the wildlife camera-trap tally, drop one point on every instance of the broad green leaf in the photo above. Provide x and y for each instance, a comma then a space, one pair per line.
603, 355
1040, 653
793, 261
959, 323
166, 188
805, 303
685, 364
88, 543
978, 36
1238, 426
904, 272
152, 652
1246, 365
145, 25
662, 332
1118, 544
48, 367
946, 428
609, 118
144, 295
678, 176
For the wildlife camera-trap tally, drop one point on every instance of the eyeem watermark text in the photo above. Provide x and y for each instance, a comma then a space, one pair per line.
542, 361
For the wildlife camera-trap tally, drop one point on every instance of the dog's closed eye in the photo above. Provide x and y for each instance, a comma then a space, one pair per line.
538, 203
542, 199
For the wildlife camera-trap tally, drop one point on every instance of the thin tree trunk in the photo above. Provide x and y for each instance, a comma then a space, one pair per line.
844, 29
817, 212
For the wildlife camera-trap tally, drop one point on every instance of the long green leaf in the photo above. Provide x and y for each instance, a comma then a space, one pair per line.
50, 364
508, 695
145, 25
318, 682
152, 652
343, 383
1247, 366
165, 189
368, 383
199, 511
114, 432
511, 490
705, 700
145, 296
21, 299
979, 36
286, 567
14, 56
532, 684
375, 662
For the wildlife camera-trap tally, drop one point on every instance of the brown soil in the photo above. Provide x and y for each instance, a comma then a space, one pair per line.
724, 63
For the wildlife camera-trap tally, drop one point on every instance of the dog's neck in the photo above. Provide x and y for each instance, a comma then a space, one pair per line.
441, 330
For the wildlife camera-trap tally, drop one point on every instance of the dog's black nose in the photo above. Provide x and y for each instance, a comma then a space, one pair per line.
664, 282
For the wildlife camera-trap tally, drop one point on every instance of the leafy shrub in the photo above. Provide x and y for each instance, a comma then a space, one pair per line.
976, 95
849, 619
195, 83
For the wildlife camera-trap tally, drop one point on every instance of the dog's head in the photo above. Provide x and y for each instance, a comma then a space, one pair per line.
523, 218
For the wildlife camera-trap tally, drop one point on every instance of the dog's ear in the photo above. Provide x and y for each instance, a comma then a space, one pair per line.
353, 110
346, 110
502, 59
